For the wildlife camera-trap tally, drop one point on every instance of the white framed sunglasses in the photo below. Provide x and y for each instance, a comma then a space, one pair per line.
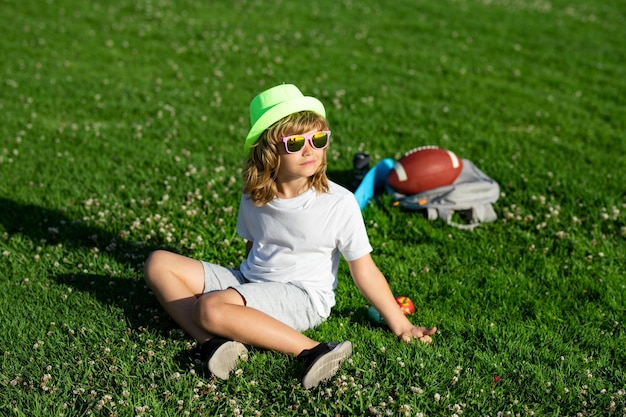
317, 140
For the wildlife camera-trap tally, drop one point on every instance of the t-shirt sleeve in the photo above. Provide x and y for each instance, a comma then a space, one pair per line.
352, 240
243, 218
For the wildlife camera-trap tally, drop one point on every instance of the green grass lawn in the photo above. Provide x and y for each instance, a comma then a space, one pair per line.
121, 131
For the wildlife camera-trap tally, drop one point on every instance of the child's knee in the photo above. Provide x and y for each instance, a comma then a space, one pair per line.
206, 311
153, 264
209, 310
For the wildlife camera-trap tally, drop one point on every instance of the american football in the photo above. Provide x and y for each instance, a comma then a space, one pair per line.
423, 169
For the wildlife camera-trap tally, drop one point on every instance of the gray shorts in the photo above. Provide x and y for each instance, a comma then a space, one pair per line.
286, 302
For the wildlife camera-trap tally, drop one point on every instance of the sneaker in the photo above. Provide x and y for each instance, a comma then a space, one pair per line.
221, 355
323, 361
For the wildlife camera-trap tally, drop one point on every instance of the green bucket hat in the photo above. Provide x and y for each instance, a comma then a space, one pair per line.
272, 105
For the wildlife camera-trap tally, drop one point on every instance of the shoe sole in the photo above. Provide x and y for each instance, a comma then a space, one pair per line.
327, 366
225, 359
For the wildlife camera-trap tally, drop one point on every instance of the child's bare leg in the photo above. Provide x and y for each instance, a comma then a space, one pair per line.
224, 313
177, 281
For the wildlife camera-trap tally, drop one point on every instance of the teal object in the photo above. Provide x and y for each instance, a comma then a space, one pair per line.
373, 181
375, 316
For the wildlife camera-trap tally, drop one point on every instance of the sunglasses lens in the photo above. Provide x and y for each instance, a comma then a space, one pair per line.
320, 140
295, 143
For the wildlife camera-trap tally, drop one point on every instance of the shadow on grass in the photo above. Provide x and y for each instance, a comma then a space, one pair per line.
51, 227
126, 291
140, 308
343, 178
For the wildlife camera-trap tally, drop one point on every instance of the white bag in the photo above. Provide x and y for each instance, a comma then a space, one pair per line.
471, 195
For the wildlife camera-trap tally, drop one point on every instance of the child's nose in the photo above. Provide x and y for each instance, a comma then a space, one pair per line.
307, 146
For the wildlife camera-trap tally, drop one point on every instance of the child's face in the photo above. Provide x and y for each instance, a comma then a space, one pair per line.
305, 162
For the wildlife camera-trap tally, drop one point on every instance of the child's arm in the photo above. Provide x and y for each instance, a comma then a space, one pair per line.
375, 288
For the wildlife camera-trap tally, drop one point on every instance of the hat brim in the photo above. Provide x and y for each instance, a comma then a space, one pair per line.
278, 112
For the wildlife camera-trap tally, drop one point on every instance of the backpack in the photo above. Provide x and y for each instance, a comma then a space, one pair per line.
471, 196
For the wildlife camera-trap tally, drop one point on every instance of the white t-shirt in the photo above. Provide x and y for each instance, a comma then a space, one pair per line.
301, 239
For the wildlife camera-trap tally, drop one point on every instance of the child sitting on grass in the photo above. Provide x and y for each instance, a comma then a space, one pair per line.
297, 224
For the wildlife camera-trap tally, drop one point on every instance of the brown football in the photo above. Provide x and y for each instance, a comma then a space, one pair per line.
423, 169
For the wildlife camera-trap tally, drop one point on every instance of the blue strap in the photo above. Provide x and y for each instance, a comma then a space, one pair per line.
373, 181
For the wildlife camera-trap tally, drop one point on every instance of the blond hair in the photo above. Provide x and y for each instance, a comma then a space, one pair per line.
261, 170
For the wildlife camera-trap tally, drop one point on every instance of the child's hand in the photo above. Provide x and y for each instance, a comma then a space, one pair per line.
418, 332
